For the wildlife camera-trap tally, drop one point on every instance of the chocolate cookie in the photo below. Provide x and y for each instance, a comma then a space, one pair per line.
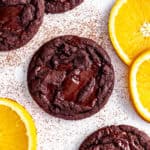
59, 6
19, 21
120, 137
71, 77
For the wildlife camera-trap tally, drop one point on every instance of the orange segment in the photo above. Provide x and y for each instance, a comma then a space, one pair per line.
17, 129
129, 28
143, 84
140, 84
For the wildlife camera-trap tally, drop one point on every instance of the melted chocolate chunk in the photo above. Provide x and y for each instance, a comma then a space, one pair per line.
71, 77
59, 6
19, 21
120, 137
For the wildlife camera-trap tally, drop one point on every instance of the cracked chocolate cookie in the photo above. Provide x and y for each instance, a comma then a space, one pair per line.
71, 77
19, 21
120, 137
59, 6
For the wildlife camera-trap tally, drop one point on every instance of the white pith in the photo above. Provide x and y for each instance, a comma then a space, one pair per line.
145, 29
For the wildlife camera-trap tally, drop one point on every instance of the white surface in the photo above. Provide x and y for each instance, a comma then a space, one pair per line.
89, 20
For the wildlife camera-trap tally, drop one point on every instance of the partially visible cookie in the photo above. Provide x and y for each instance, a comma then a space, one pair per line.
71, 77
19, 21
122, 137
60, 6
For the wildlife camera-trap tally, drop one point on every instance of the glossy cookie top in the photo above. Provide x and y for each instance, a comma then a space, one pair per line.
19, 21
71, 77
60, 6
120, 137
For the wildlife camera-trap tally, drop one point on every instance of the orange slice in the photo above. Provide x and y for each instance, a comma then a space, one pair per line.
17, 129
139, 83
129, 28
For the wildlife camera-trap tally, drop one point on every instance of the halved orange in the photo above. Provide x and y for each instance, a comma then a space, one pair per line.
17, 129
129, 28
139, 83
